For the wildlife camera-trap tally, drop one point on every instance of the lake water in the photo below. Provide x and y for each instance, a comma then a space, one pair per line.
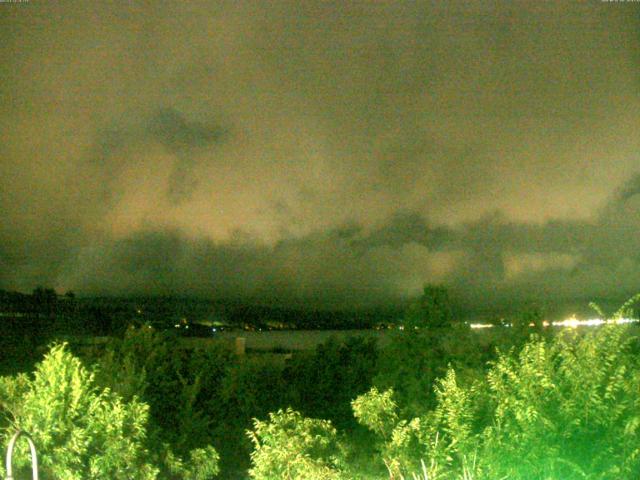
288, 339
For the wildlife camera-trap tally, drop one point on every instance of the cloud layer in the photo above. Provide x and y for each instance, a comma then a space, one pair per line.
310, 152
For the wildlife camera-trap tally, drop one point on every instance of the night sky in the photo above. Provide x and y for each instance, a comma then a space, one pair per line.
321, 153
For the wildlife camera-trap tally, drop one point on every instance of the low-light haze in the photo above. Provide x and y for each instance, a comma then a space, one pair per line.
321, 153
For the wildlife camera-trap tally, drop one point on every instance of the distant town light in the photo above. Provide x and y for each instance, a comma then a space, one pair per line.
571, 322
481, 325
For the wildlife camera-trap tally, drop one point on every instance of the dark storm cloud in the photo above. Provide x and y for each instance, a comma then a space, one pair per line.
493, 260
319, 152
165, 126
182, 137
300, 272
404, 227
629, 189
492, 231
172, 129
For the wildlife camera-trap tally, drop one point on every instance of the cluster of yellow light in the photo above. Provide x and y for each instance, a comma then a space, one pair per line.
571, 322
481, 325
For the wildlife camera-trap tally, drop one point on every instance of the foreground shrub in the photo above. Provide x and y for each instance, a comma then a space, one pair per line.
439, 436
83, 431
559, 410
80, 431
291, 447
202, 464
415, 359
322, 383
566, 410
181, 386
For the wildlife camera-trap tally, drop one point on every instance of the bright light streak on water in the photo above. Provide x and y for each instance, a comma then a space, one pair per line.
481, 325
572, 322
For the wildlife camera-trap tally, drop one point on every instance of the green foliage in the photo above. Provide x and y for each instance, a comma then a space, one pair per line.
562, 408
443, 435
322, 384
81, 431
409, 365
182, 389
252, 387
556, 410
423, 351
202, 464
180, 386
625, 311
84, 431
596, 308
318, 384
415, 359
453, 417
566, 410
291, 447
200, 397
377, 411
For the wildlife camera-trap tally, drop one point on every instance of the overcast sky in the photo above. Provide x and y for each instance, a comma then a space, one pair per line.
330, 153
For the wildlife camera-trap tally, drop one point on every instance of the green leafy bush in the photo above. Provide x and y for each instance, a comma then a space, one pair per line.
377, 411
80, 431
556, 410
180, 386
415, 359
322, 383
443, 435
569, 409
84, 431
291, 447
202, 464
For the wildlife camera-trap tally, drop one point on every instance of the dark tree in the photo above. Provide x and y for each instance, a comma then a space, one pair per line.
432, 310
44, 300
